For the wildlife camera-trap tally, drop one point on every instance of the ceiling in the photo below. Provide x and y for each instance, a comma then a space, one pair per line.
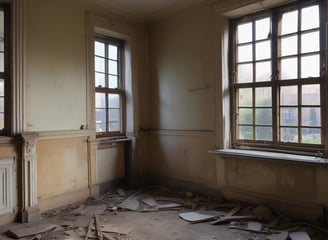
146, 10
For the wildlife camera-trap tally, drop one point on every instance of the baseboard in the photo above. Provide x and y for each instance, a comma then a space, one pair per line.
63, 199
8, 218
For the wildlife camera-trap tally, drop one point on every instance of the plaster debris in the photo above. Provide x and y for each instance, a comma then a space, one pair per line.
279, 236
299, 236
255, 227
26, 230
121, 192
200, 216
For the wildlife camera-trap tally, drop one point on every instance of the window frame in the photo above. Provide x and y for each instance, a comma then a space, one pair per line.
6, 75
275, 83
120, 90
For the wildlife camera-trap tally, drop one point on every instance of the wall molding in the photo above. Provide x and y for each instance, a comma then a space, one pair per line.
64, 134
173, 132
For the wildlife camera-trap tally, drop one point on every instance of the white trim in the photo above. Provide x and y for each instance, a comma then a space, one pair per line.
7, 201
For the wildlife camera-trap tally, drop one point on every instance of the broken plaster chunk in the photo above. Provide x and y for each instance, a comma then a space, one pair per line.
280, 236
151, 202
299, 236
120, 192
200, 216
130, 204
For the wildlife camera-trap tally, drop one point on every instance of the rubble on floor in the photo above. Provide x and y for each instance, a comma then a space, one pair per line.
91, 220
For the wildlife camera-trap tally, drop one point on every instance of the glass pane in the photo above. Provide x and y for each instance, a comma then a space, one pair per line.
100, 120
112, 81
288, 96
2, 87
311, 94
245, 132
2, 104
263, 71
2, 122
310, 66
245, 97
288, 45
288, 116
100, 49
263, 97
245, 116
310, 42
112, 52
263, 50
288, 68
311, 135
2, 62
245, 53
263, 133
100, 100
289, 22
288, 135
99, 64
112, 67
263, 116
244, 32
245, 73
311, 117
262, 29
114, 115
114, 100
100, 80
310, 17
2, 45
114, 126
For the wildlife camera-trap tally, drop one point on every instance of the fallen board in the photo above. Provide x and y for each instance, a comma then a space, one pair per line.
299, 236
25, 230
200, 216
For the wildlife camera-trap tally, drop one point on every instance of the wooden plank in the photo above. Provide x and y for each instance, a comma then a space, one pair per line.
89, 229
200, 216
25, 230
232, 212
98, 227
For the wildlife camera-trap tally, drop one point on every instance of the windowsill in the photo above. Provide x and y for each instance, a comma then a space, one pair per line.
111, 139
270, 156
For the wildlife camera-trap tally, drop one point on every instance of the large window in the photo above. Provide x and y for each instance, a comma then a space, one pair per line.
109, 88
277, 79
4, 71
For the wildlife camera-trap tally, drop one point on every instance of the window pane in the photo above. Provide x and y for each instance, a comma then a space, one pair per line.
2, 62
288, 135
288, 95
2, 104
100, 120
2, 87
263, 71
100, 80
100, 100
289, 22
114, 100
310, 42
244, 32
288, 45
263, 133
2, 124
112, 52
263, 50
99, 64
112, 81
245, 116
112, 67
263, 116
311, 135
245, 132
263, 97
310, 17
289, 116
311, 117
114, 115
100, 49
310, 66
245, 73
114, 126
245, 53
263, 29
288, 68
245, 97
311, 94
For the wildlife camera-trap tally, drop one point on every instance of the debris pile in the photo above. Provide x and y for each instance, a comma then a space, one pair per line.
92, 220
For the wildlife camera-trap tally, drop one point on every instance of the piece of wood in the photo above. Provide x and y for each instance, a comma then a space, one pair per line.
98, 227
232, 212
299, 236
89, 229
255, 227
233, 218
113, 229
25, 230
108, 236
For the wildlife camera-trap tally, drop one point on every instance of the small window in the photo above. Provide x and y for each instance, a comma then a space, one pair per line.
5, 83
277, 79
109, 87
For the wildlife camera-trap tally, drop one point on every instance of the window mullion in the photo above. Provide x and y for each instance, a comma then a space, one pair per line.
275, 77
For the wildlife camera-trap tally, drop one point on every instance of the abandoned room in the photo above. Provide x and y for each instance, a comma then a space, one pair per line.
153, 114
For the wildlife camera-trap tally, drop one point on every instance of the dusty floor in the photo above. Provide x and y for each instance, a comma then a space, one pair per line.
71, 222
